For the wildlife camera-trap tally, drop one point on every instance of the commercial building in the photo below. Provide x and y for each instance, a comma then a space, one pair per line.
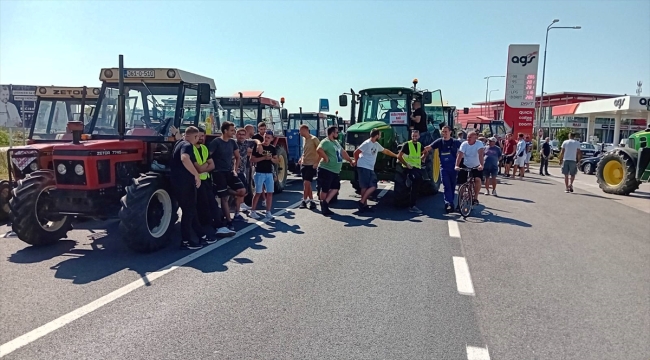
604, 123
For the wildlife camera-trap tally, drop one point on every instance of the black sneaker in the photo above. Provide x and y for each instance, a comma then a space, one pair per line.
312, 205
188, 245
230, 226
571, 188
448, 208
207, 240
303, 205
325, 209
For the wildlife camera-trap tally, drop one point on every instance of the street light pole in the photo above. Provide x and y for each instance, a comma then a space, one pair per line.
541, 102
489, 99
487, 86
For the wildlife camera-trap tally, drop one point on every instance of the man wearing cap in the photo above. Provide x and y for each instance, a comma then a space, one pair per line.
447, 149
491, 165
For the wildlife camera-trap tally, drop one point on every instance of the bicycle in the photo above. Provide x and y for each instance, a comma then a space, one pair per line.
466, 193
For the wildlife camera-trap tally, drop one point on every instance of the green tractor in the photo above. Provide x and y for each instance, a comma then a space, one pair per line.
622, 170
389, 109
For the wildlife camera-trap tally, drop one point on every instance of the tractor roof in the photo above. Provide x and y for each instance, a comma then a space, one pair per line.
155, 75
66, 92
387, 90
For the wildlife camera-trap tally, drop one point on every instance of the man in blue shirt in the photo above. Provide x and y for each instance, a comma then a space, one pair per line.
447, 149
491, 165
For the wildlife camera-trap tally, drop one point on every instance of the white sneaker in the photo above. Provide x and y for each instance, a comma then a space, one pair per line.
264, 204
254, 215
269, 215
487, 192
244, 207
224, 232
494, 192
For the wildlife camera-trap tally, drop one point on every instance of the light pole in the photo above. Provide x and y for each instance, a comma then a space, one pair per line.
489, 100
541, 102
487, 86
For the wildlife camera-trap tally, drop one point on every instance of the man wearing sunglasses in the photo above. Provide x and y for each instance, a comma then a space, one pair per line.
331, 160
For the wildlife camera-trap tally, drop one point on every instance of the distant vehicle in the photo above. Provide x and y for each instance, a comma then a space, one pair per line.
588, 165
587, 150
555, 147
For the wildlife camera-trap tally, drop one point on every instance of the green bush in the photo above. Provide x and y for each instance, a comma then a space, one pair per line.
4, 138
562, 134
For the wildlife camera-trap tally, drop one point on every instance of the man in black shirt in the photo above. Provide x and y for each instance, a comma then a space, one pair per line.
264, 174
418, 118
544, 156
185, 182
261, 130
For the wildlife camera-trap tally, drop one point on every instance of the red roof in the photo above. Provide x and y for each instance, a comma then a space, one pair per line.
475, 114
559, 98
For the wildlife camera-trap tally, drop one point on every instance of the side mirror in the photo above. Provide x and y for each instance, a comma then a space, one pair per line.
203, 94
284, 114
465, 111
427, 98
343, 100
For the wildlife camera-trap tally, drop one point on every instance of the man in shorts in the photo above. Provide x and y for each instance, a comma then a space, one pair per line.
308, 163
331, 156
222, 151
520, 157
244, 174
264, 161
569, 157
471, 153
509, 152
365, 156
491, 169
529, 152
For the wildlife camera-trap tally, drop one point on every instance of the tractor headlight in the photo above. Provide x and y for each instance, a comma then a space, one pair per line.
61, 169
349, 147
79, 169
33, 166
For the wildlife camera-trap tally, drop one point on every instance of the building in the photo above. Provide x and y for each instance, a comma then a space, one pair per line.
603, 126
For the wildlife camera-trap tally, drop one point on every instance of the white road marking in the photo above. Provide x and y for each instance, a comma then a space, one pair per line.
463, 278
477, 353
454, 231
384, 191
53, 325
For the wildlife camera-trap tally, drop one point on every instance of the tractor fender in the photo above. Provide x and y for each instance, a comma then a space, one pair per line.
631, 153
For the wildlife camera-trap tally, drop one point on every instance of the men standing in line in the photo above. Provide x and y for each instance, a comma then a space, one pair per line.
308, 163
520, 157
264, 161
222, 151
569, 157
545, 153
471, 153
365, 157
331, 154
509, 151
206, 203
410, 156
185, 182
447, 150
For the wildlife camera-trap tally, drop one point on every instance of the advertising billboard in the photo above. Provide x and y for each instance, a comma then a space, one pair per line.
17, 103
521, 87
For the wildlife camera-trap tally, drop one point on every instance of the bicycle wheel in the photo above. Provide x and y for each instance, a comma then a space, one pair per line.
465, 202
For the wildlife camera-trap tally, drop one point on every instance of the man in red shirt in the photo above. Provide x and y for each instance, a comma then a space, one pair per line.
509, 149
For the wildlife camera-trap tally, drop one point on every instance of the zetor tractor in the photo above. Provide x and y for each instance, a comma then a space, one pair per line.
55, 106
622, 170
103, 172
389, 110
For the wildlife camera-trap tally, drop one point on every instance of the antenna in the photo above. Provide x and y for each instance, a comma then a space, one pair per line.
638, 88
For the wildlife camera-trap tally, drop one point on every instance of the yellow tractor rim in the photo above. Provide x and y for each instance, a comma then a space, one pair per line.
613, 173
282, 173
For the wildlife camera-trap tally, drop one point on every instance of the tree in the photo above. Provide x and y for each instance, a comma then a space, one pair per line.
562, 134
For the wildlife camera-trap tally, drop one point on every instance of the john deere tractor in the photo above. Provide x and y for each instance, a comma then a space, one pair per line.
389, 109
622, 170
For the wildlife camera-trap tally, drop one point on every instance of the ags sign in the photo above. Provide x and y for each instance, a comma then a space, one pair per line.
521, 87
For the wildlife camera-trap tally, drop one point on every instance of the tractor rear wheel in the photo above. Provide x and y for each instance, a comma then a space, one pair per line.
33, 213
281, 170
616, 173
5, 195
148, 214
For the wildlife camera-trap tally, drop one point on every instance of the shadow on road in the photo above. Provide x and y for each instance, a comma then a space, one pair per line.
516, 199
480, 214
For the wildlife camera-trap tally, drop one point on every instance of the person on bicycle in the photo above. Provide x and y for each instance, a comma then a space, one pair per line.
471, 153
410, 156
447, 151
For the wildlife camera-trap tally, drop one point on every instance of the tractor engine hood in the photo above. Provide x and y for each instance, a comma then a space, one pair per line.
360, 132
99, 148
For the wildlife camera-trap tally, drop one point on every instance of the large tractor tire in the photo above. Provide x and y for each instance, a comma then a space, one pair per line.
148, 213
281, 170
616, 173
5, 195
429, 186
33, 214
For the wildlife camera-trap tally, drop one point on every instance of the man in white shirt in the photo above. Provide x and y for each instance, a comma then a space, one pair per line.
569, 157
365, 156
472, 153
520, 157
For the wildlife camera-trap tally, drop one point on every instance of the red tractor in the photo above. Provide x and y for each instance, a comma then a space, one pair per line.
55, 106
104, 172
251, 108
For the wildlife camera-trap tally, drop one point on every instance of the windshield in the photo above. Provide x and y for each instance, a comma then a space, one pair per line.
310, 120
391, 109
144, 107
232, 114
53, 115
588, 146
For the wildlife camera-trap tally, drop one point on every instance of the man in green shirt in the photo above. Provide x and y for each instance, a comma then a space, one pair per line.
331, 159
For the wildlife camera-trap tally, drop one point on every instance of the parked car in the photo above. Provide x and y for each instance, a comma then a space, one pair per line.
588, 165
587, 150
555, 147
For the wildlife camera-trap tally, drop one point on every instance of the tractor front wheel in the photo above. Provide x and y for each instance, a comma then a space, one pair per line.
148, 214
281, 170
33, 212
5, 195
616, 173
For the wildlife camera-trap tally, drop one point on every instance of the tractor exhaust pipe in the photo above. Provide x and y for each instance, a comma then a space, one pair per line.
241, 110
121, 104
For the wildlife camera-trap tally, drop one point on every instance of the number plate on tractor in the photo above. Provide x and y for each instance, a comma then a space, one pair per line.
139, 73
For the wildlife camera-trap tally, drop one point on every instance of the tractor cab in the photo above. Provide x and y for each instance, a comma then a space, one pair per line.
317, 122
487, 127
251, 108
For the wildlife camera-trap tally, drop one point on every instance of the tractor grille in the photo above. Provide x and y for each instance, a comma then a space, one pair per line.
69, 177
104, 171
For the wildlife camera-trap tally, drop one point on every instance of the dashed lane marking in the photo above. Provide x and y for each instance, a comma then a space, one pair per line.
463, 278
454, 231
477, 353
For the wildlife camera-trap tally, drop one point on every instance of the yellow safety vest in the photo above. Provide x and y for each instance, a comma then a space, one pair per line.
413, 157
202, 159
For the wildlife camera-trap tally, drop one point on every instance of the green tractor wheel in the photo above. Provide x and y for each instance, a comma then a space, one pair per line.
616, 173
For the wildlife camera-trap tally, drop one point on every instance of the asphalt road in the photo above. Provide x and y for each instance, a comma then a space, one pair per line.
533, 274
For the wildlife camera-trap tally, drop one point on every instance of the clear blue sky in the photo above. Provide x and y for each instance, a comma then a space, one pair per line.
305, 50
